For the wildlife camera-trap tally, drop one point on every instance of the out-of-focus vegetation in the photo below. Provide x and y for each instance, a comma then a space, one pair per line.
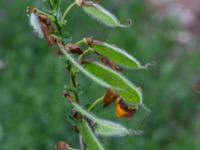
33, 111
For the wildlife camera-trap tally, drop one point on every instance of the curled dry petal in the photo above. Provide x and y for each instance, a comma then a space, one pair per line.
123, 110
74, 49
109, 97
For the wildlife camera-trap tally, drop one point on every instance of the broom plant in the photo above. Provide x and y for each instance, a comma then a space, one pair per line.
98, 60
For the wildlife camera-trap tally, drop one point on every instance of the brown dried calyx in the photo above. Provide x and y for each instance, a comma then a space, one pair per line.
90, 41
74, 49
69, 97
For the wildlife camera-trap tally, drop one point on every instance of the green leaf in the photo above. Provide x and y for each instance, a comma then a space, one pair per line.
102, 15
109, 78
56, 4
121, 85
88, 136
105, 127
116, 54
78, 66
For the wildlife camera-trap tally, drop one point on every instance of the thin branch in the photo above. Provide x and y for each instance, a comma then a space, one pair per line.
56, 19
50, 4
95, 103
72, 80
81, 142
85, 52
67, 10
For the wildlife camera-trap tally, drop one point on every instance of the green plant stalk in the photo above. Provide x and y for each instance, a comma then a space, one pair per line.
72, 80
95, 103
87, 133
80, 42
72, 76
50, 4
81, 142
56, 19
58, 26
85, 52
66, 11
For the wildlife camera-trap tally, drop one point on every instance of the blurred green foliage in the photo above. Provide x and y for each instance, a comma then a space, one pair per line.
33, 112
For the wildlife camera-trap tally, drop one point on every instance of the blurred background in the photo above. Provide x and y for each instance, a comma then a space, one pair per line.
33, 112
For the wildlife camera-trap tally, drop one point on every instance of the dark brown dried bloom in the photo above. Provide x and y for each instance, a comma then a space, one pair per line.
73, 48
109, 97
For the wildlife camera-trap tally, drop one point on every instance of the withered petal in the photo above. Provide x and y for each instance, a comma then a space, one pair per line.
109, 97
74, 49
122, 109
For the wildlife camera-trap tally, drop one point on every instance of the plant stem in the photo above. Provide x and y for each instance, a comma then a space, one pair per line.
95, 103
72, 75
56, 19
72, 80
50, 4
80, 42
85, 52
58, 26
81, 142
67, 10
